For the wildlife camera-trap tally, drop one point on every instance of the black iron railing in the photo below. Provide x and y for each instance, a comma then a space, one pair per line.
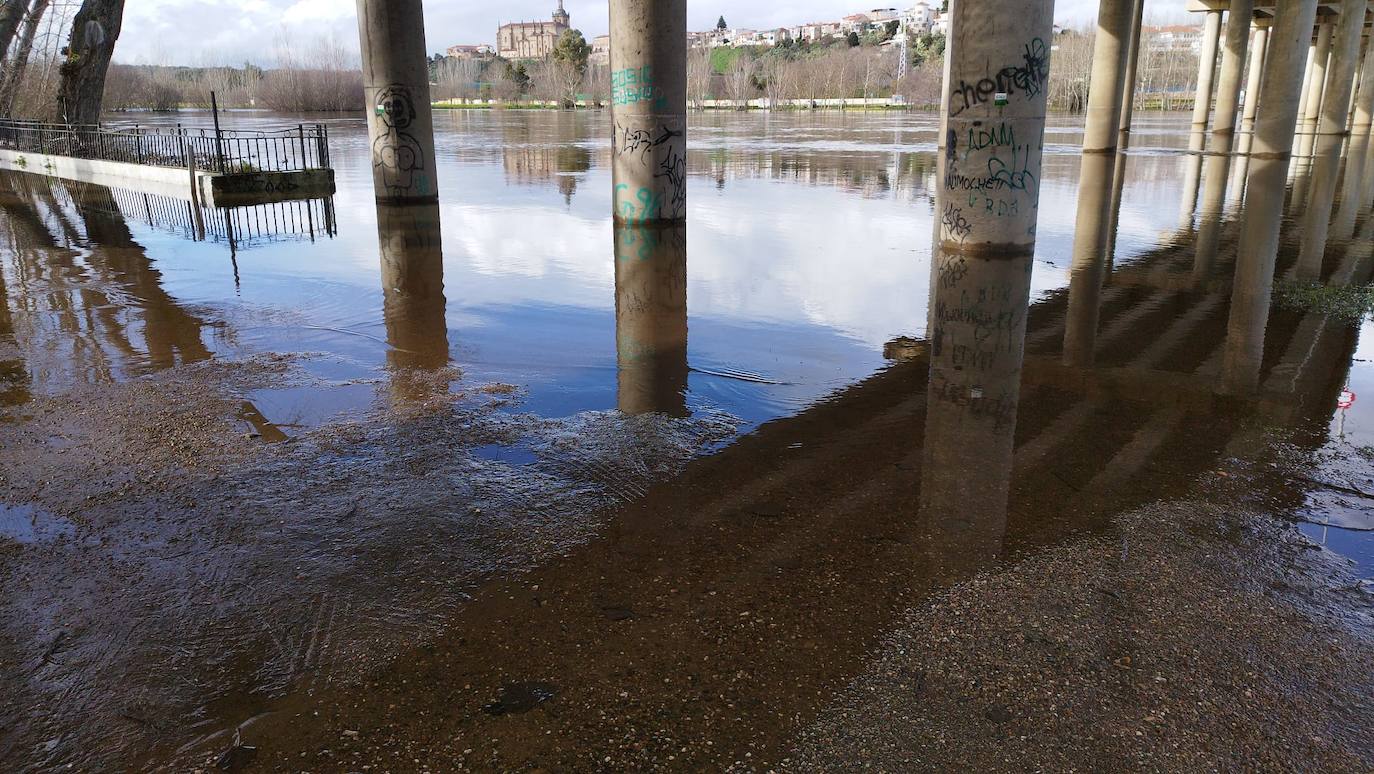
292, 149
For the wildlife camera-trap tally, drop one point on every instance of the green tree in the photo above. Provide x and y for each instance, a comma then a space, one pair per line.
853, 39
927, 48
572, 48
721, 25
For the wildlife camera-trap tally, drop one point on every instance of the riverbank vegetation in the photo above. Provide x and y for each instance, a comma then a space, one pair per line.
842, 71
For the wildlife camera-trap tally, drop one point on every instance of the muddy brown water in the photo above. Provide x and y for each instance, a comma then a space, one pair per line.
497, 484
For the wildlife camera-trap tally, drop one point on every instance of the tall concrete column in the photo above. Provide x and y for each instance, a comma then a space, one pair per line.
1361, 124
1218, 165
400, 126
1316, 91
651, 319
649, 111
1258, 48
1111, 46
999, 79
1206, 72
1262, 216
971, 405
1132, 64
1345, 61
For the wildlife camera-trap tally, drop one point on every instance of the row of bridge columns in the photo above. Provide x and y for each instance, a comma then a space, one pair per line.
991, 149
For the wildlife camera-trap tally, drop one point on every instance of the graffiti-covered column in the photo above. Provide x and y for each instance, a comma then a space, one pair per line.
998, 75
988, 203
400, 127
649, 110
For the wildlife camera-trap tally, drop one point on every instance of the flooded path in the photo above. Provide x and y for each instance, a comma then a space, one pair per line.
495, 484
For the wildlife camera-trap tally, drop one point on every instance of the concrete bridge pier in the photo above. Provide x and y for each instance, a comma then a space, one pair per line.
995, 125
400, 126
1355, 189
1261, 218
1111, 49
1206, 74
1128, 79
651, 319
1259, 50
649, 111
1335, 114
1218, 164
1310, 114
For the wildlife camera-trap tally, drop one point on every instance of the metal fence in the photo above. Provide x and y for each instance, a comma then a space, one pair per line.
292, 149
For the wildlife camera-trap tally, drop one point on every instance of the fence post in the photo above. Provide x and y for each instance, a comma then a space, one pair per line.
219, 144
305, 163
138, 143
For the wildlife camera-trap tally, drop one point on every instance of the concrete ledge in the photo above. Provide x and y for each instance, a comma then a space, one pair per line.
161, 180
215, 190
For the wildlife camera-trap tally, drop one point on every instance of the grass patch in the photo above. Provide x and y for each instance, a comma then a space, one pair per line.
1351, 302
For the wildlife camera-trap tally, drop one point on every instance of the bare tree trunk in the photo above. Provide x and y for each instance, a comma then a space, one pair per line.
94, 32
11, 13
14, 75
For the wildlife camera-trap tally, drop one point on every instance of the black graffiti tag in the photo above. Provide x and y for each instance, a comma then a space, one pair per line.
1028, 78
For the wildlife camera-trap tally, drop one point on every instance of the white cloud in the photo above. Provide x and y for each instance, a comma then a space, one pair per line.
231, 32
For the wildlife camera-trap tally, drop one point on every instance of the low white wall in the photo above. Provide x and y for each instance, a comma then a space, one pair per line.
160, 180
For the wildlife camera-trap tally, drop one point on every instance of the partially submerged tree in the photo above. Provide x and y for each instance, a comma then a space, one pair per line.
94, 32
11, 13
14, 72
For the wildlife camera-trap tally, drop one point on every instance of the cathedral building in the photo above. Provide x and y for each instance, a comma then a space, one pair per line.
532, 40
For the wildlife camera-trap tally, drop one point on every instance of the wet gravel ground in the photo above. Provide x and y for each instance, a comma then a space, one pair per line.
1189, 638
185, 569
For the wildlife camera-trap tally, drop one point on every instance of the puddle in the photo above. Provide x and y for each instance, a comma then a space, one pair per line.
511, 455
278, 413
28, 525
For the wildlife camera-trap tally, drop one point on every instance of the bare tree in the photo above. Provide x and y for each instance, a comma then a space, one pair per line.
457, 78
780, 79
699, 75
558, 81
597, 83
324, 77
739, 80
1072, 67
94, 32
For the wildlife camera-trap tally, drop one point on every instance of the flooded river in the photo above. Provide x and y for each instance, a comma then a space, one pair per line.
501, 484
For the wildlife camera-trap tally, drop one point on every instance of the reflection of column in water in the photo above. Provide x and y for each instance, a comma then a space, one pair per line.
977, 349
1089, 258
1192, 181
1216, 178
651, 318
413, 285
1260, 220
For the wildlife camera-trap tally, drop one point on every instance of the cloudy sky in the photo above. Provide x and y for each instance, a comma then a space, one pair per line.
234, 31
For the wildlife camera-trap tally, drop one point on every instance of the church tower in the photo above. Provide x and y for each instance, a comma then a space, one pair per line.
561, 17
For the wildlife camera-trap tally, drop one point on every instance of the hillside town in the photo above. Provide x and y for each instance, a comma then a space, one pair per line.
536, 39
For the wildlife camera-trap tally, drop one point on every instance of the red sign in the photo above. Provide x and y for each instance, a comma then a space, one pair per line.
1346, 400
